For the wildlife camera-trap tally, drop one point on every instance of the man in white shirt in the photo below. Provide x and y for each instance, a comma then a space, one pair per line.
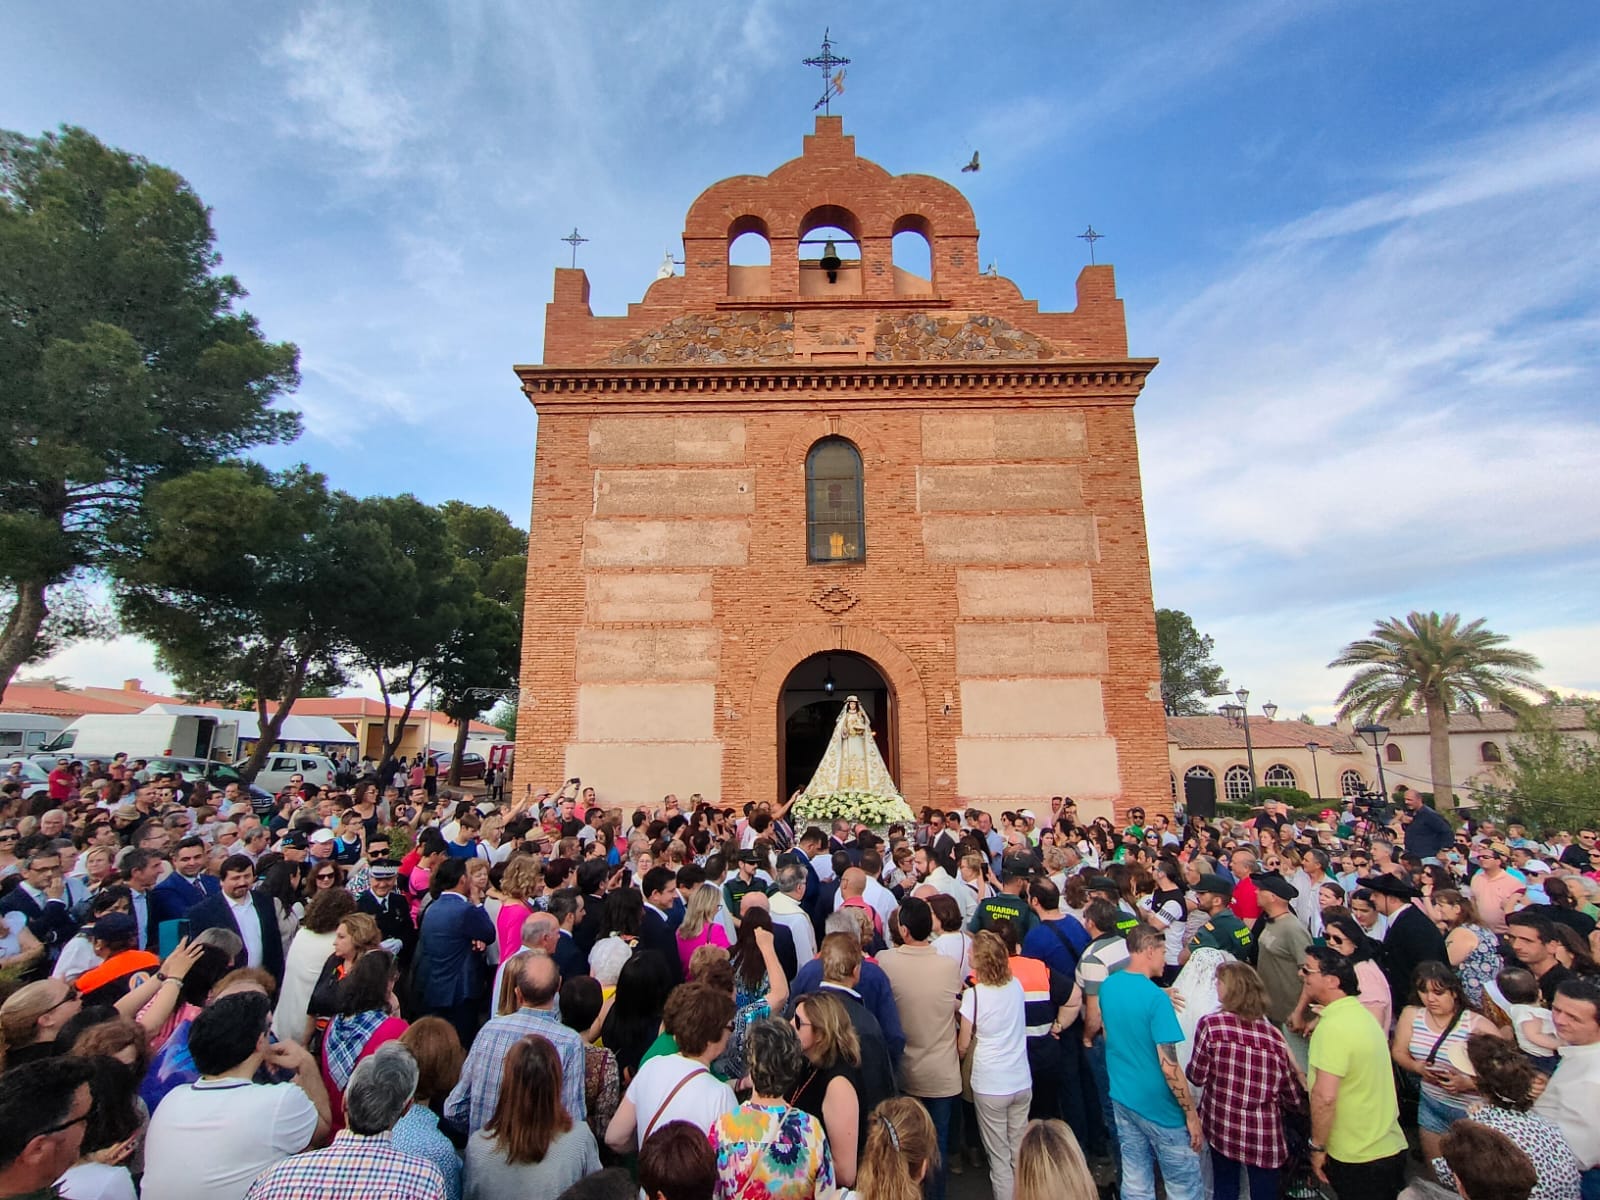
209, 1139
248, 913
784, 905
815, 847
930, 867
1574, 1090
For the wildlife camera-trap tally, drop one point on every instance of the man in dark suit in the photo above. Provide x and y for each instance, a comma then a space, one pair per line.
250, 914
657, 930
1410, 940
392, 911
567, 906
41, 898
592, 876
174, 896
449, 978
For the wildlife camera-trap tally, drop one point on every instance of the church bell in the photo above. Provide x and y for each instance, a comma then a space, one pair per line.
830, 261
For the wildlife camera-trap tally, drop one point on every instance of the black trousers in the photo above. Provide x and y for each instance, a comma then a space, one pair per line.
1380, 1179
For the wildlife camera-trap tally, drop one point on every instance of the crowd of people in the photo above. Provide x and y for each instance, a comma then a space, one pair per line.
381, 992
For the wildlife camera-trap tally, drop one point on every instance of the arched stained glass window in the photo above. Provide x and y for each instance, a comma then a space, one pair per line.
836, 527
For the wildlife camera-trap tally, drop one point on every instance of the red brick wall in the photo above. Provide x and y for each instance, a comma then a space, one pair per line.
906, 612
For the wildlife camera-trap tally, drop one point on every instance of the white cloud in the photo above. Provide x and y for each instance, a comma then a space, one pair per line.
341, 75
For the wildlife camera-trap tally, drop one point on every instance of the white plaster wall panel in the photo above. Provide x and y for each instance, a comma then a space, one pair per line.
1032, 707
646, 712
1025, 592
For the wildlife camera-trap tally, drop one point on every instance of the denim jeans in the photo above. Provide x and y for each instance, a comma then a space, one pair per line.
1589, 1184
1145, 1145
939, 1108
1095, 1055
1225, 1173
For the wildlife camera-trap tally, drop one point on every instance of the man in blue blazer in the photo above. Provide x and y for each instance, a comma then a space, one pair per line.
449, 979
250, 914
657, 930
40, 898
186, 886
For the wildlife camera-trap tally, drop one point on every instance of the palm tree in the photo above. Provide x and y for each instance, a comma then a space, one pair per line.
1441, 666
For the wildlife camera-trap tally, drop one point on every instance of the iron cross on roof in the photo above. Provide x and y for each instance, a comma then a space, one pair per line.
832, 83
574, 239
1090, 236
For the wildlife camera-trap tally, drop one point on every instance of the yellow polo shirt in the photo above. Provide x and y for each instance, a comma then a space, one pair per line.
1366, 1117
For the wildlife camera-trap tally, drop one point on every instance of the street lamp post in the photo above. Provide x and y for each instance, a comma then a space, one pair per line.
1315, 774
1375, 736
1249, 750
1239, 714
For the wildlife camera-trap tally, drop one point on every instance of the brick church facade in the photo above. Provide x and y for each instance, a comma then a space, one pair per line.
769, 486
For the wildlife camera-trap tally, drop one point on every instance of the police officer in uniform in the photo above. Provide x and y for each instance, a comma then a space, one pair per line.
383, 902
1223, 930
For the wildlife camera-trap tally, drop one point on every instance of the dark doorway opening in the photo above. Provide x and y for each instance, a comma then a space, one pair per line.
1200, 794
808, 710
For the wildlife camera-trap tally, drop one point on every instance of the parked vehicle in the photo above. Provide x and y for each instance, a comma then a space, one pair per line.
148, 735
35, 779
27, 733
473, 765
218, 775
314, 768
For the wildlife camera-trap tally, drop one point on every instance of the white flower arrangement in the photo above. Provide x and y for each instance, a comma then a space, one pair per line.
866, 808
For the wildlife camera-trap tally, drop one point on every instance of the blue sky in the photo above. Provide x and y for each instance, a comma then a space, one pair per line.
1361, 237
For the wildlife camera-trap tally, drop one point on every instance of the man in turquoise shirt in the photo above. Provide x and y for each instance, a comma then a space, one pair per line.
1156, 1117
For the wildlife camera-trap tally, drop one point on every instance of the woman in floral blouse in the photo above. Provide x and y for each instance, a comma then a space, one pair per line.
766, 1148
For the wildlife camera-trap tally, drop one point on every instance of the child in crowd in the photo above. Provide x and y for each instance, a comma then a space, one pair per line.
1516, 991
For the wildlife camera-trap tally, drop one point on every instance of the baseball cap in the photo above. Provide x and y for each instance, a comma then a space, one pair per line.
1018, 865
1102, 883
1215, 884
114, 926
1027, 815
322, 836
1277, 885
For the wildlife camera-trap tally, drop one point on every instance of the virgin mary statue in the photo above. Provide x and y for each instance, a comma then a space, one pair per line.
852, 762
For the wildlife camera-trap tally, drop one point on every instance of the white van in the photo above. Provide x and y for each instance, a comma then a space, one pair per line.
147, 735
27, 733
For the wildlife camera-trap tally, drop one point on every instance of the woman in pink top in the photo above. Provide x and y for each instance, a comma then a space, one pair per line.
700, 925
519, 885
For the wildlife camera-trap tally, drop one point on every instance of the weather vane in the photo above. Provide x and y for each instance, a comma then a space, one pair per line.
574, 239
832, 80
1090, 236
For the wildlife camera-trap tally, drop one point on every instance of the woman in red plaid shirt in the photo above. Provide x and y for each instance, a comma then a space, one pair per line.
1241, 1064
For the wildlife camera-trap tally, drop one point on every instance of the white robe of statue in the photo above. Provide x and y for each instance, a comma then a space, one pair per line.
852, 762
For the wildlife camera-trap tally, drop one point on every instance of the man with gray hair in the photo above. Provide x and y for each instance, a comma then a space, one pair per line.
362, 1161
872, 988
539, 933
784, 904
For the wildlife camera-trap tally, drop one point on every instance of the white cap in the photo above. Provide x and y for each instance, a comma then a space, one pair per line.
323, 835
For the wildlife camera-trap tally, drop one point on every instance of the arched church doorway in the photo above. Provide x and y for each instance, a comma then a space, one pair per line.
809, 704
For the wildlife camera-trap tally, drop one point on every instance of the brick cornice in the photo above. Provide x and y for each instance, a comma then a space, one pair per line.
769, 385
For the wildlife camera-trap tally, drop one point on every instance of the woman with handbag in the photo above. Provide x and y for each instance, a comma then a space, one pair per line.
994, 1037
1423, 1037
766, 1147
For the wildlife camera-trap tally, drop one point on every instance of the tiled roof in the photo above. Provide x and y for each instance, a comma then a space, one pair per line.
129, 700
58, 702
1218, 733
1563, 716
